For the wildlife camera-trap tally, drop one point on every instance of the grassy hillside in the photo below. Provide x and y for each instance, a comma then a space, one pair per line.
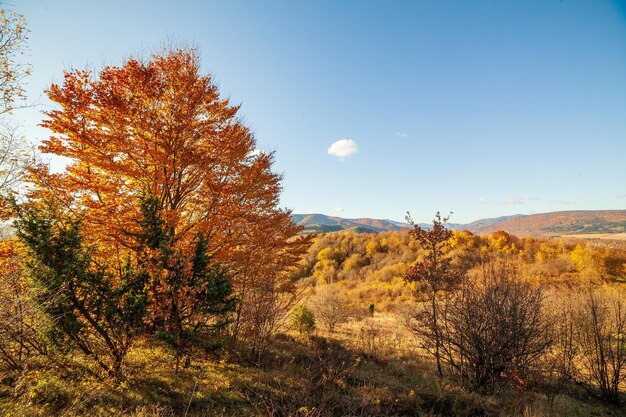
302, 376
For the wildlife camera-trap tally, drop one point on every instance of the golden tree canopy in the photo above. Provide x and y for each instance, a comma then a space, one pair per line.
160, 127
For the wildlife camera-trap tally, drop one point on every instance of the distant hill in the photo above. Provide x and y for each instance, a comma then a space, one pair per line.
317, 223
482, 224
559, 223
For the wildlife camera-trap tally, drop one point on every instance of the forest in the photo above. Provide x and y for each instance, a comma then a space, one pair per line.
157, 275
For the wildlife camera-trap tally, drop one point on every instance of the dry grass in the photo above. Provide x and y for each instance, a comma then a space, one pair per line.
602, 236
300, 377
383, 334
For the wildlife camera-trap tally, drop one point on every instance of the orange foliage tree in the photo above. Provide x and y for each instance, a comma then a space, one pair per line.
160, 130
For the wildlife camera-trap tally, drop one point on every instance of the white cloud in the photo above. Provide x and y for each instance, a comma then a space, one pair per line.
338, 210
623, 195
568, 202
401, 135
516, 200
343, 148
482, 200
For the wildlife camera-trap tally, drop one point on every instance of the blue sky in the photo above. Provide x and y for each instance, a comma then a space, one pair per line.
483, 108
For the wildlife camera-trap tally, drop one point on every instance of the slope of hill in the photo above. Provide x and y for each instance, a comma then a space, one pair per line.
482, 224
560, 223
316, 223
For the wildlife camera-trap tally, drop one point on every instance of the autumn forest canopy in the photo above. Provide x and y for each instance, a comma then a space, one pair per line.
157, 275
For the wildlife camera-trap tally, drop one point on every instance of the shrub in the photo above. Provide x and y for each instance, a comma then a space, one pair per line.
493, 328
593, 339
331, 309
303, 319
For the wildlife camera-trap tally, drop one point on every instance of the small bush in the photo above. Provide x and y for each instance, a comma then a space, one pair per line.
303, 319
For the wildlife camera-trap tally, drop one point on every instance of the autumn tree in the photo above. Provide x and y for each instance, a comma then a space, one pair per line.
13, 37
589, 262
503, 242
466, 249
327, 265
331, 309
14, 156
160, 128
20, 318
437, 272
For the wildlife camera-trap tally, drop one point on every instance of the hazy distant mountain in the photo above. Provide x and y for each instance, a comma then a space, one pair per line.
316, 223
545, 224
482, 224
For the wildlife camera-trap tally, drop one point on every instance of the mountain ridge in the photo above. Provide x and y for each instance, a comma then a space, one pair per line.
557, 223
